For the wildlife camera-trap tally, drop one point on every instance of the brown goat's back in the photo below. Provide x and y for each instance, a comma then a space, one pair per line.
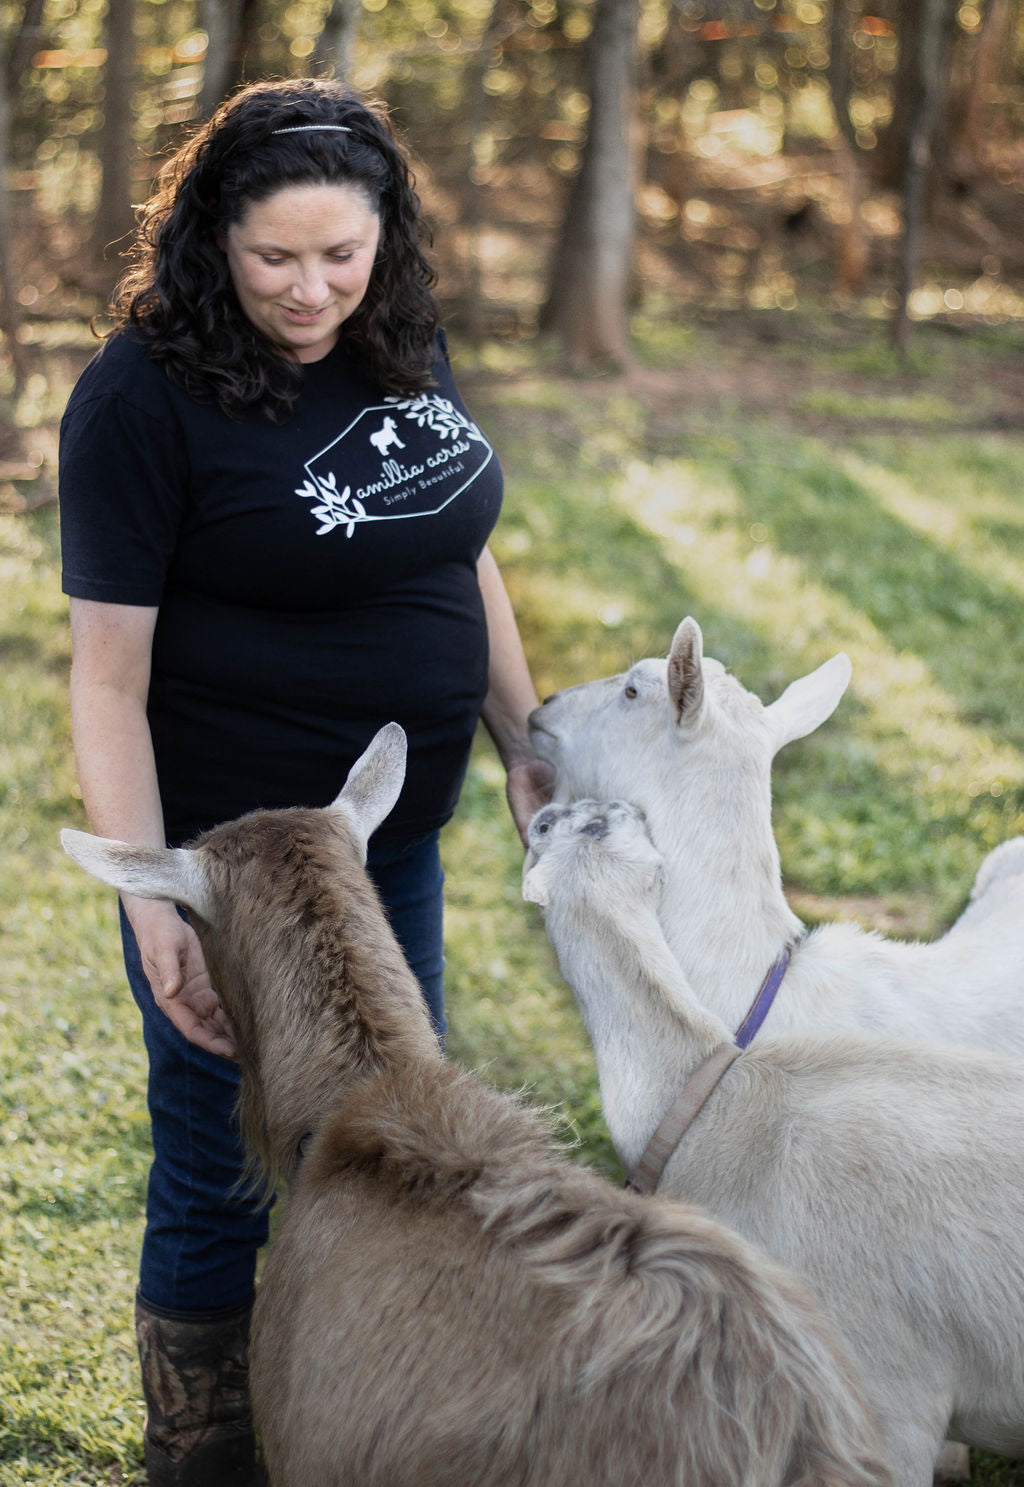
448, 1302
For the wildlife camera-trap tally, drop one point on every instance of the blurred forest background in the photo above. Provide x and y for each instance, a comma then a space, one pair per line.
579, 158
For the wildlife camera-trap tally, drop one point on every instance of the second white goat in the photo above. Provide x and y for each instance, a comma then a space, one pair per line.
890, 1175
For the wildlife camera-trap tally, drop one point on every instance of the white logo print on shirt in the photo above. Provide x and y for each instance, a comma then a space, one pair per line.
448, 452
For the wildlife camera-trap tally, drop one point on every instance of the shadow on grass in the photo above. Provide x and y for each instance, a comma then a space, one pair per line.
965, 628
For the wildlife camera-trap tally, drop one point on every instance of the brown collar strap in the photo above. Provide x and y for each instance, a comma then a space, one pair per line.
680, 1115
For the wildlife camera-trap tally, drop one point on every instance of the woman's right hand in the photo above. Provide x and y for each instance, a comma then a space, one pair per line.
172, 958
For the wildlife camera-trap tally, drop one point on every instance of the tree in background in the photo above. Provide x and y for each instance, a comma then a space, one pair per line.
114, 216
926, 46
333, 54
222, 22
8, 291
506, 101
15, 60
588, 298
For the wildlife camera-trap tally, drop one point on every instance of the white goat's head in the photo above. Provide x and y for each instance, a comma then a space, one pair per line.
643, 734
590, 846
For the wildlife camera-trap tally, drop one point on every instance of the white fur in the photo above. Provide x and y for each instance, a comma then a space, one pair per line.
889, 1174
692, 748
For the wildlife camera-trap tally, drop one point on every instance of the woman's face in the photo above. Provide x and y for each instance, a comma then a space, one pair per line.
300, 261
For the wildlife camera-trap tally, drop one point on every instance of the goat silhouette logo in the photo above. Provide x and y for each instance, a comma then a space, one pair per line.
385, 436
409, 457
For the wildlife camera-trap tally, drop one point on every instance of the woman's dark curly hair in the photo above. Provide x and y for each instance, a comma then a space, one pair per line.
179, 292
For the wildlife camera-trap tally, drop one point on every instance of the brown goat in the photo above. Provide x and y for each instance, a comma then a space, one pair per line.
448, 1302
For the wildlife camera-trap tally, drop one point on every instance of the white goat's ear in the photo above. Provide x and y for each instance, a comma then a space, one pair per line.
374, 783
685, 670
807, 702
172, 873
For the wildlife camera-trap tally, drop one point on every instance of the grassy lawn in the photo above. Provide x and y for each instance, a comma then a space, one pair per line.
836, 502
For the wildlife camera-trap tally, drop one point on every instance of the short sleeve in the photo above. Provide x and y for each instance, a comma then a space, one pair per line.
124, 484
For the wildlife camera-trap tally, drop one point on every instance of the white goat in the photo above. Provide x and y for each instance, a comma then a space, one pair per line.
692, 748
447, 1302
890, 1175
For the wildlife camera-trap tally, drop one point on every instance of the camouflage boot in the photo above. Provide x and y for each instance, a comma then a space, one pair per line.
195, 1372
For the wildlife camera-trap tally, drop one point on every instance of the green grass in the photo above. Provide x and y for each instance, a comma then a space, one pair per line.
901, 543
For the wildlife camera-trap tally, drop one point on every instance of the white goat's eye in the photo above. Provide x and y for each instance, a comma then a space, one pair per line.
631, 692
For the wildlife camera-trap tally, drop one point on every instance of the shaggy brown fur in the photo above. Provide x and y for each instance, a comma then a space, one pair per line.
449, 1303
337, 998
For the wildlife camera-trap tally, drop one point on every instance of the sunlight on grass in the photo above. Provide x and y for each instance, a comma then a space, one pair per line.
915, 727
970, 523
744, 571
924, 408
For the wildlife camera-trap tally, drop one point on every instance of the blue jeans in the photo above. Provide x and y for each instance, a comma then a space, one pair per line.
202, 1236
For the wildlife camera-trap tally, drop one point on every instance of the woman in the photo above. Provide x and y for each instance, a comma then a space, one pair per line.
274, 514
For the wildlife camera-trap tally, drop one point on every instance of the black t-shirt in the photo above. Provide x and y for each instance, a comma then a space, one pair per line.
314, 579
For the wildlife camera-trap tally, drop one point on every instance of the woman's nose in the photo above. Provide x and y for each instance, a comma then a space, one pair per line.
310, 285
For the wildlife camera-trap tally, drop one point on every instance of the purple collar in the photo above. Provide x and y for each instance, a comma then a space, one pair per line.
761, 1005
702, 1084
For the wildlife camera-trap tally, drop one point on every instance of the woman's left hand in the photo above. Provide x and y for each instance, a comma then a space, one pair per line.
530, 785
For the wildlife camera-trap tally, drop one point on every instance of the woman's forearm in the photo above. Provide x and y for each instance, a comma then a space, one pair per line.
114, 757
113, 747
511, 696
510, 700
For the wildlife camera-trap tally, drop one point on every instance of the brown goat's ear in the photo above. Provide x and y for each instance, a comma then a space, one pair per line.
807, 702
374, 783
685, 671
171, 873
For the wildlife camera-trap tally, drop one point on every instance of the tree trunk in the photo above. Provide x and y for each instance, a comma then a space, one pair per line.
114, 218
9, 306
472, 215
221, 20
890, 159
333, 54
960, 146
851, 257
588, 300
930, 76
24, 44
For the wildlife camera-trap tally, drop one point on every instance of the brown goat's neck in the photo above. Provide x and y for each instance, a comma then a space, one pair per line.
317, 989
299, 1074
